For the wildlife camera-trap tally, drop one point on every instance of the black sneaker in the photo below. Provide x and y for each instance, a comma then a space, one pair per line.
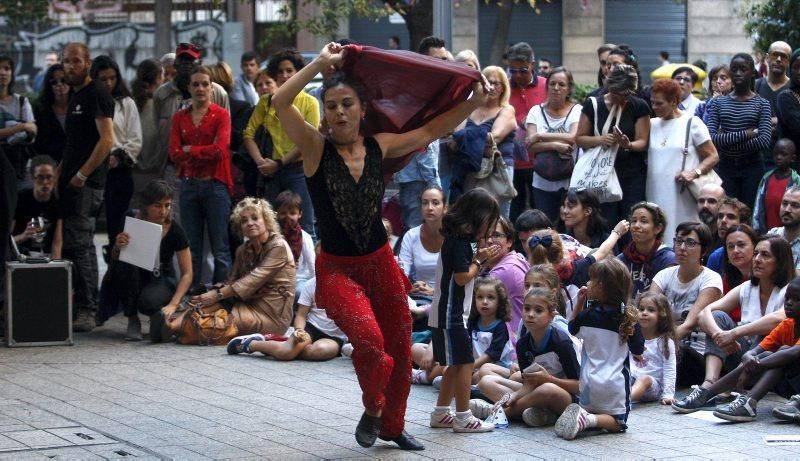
741, 410
696, 400
790, 411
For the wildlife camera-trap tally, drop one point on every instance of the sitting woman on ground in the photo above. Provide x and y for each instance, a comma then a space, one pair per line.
740, 244
689, 287
419, 249
646, 255
147, 292
262, 279
761, 300
580, 217
315, 336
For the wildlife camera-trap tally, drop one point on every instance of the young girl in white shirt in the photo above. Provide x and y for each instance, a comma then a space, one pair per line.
654, 376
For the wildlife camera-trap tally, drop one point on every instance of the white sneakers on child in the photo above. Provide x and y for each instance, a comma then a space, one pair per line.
442, 419
539, 417
419, 377
572, 421
471, 424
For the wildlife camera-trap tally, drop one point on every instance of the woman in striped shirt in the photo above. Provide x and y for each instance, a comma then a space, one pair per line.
740, 127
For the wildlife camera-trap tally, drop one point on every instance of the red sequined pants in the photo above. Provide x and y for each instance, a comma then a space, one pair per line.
367, 298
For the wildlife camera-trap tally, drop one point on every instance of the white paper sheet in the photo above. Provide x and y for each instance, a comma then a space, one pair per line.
706, 415
781, 439
144, 243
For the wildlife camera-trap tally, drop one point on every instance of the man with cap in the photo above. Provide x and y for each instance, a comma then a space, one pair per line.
172, 96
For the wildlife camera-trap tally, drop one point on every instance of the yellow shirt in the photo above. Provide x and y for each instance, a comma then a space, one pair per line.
262, 115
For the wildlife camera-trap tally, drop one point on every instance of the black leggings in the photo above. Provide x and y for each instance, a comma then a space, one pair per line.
139, 290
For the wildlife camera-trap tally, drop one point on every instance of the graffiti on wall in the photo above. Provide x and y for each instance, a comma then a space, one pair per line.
127, 44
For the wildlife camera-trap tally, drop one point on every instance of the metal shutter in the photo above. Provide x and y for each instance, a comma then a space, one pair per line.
541, 31
376, 33
648, 26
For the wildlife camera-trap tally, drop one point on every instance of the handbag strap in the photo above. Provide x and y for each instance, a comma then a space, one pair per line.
686, 148
546, 122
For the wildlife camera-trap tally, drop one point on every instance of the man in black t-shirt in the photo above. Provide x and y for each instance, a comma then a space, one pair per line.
39, 202
82, 175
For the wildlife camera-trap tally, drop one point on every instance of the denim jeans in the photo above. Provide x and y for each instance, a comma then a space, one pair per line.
83, 205
293, 178
411, 203
205, 204
740, 177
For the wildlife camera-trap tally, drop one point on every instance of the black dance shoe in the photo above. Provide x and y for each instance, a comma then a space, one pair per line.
406, 441
367, 430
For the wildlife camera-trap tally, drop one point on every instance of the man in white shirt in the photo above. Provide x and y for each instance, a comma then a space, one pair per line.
686, 79
790, 217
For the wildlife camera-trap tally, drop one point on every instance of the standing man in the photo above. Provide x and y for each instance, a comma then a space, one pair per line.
243, 88
527, 90
49, 59
686, 77
423, 169
790, 218
663, 56
545, 66
82, 176
768, 88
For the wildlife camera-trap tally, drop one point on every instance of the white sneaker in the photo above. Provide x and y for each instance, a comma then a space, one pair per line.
419, 376
347, 350
539, 417
572, 421
442, 420
472, 424
437, 383
480, 408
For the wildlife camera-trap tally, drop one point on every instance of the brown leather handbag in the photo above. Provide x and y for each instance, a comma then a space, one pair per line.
207, 329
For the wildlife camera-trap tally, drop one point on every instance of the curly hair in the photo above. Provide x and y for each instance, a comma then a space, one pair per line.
258, 205
503, 305
616, 284
286, 54
665, 327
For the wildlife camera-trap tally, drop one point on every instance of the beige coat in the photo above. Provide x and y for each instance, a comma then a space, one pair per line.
264, 283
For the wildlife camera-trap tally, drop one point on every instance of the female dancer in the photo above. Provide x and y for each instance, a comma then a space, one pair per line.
358, 279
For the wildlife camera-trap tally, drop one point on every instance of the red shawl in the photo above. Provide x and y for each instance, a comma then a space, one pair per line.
405, 90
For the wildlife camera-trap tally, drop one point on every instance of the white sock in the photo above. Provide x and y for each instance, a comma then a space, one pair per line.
591, 420
464, 415
439, 410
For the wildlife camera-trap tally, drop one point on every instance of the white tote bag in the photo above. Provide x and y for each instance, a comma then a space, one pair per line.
594, 170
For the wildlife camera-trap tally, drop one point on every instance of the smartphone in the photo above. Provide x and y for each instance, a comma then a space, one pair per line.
618, 131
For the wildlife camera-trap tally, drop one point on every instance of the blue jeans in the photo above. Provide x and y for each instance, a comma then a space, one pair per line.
291, 177
740, 177
410, 202
205, 204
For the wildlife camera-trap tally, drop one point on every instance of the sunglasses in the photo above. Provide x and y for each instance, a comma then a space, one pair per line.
57, 81
519, 70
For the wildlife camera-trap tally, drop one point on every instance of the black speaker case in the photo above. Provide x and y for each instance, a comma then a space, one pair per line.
40, 295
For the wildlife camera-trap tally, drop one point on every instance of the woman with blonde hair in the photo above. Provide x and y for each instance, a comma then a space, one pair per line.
469, 58
262, 279
495, 118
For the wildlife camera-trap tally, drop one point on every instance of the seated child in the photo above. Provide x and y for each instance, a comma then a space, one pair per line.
288, 206
773, 363
607, 325
315, 337
487, 328
654, 377
549, 366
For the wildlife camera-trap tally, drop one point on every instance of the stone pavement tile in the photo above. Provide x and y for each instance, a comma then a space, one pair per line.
7, 444
23, 456
70, 453
704, 449
683, 458
111, 451
38, 439
653, 453
15, 427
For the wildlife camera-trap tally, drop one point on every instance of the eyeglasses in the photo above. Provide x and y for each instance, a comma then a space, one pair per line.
681, 78
57, 81
496, 236
43, 178
778, 55
688, 243
519, 70
494, 82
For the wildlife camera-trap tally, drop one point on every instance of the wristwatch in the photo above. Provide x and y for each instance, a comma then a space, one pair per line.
219, 294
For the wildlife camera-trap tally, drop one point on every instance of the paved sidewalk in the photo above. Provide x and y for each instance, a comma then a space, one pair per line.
107, 398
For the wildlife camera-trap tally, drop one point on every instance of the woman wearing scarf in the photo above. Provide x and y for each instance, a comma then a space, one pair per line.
645, 256
788, 105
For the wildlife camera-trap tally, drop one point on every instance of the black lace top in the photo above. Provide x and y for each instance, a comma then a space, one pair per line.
348, 212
